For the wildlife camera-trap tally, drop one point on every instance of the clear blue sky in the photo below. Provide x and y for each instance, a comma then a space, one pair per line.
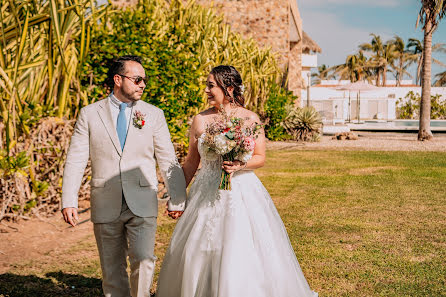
339, 26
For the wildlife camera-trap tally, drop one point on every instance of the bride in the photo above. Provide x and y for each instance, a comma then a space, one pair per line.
229, 243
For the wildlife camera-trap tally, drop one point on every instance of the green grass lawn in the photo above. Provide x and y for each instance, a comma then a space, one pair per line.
361, 223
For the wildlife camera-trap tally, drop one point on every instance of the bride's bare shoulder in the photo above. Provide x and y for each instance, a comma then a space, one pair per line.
200, 120
251, 116
202, 116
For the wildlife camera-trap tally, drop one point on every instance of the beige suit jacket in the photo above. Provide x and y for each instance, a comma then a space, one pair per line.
131, 171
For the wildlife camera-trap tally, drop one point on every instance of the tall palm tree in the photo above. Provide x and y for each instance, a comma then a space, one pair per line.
322, 73
355, 68
431, 13
416, 47
382, 56
403, 59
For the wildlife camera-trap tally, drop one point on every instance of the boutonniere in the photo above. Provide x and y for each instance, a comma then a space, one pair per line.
138, 119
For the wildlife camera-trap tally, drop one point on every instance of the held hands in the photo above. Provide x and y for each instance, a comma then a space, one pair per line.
172, 213
233, 166
70, 215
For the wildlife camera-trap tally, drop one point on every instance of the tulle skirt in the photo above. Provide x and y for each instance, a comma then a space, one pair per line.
231, 244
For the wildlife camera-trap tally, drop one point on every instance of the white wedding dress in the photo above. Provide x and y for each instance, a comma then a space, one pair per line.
230, 243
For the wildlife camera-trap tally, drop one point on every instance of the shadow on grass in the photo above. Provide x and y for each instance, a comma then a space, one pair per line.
58, 284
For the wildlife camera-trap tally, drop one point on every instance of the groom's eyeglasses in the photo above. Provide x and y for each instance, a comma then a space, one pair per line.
136, 80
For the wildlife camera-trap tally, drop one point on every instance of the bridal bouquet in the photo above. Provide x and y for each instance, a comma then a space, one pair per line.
232, 139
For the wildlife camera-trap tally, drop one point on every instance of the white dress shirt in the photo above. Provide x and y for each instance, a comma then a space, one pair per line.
114, 107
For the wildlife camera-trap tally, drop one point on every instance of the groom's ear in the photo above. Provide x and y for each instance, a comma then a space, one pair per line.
118, 80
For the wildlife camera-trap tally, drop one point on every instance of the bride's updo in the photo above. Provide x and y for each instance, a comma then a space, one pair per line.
227, 76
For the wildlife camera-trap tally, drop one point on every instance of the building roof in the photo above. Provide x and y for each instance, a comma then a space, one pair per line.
309, 44
295, 22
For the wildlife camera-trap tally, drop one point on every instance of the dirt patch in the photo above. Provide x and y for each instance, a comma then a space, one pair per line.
368, 141
36, 238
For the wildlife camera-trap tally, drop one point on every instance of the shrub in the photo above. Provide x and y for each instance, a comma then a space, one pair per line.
173, 72
303, 123
276, 112
409, 107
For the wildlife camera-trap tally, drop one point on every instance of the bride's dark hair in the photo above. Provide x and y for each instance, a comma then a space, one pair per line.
227, 76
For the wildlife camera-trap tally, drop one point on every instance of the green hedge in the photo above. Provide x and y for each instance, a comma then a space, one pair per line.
276, 112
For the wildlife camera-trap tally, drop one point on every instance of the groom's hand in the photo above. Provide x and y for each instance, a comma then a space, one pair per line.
174, 214
70, 215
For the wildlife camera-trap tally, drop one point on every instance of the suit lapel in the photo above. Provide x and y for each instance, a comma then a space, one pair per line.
105, 115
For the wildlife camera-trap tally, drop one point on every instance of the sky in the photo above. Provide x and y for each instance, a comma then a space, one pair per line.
340, 26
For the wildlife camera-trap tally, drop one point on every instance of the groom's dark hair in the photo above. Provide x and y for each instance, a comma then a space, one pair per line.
118, 67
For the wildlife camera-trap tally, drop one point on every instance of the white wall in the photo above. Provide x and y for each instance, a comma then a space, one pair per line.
379, 104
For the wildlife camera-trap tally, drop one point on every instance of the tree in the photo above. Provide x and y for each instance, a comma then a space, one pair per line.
441, 79
416, 47
382, 55
403, 59
322, 73
431, 13
355, 68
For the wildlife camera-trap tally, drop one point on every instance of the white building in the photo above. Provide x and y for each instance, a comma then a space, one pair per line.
335, 105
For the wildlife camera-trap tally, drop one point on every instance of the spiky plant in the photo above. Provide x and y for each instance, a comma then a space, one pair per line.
304, 124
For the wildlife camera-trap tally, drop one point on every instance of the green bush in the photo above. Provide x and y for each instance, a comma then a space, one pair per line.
409, 107
276, 112
173, 72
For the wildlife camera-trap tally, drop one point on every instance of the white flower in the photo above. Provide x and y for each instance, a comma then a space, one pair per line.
223, 145
242, 88
209, 154
206, 152
245, 157
229, 124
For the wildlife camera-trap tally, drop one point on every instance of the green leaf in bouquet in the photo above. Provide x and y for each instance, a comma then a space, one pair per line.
230, 135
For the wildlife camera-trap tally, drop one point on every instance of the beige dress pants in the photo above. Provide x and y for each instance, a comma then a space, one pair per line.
128, 235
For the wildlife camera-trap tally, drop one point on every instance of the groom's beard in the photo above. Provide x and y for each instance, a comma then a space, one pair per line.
134, 95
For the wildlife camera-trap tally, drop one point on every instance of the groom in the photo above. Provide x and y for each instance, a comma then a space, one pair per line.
124, 138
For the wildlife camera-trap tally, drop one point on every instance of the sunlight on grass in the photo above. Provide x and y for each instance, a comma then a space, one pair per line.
361, 223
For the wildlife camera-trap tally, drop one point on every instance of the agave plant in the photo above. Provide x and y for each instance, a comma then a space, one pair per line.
304, 124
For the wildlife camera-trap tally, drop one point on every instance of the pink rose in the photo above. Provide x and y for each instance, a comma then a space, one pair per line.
249, 144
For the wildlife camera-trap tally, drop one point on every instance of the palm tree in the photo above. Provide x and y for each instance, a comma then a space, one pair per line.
355, 68
431, 13
382, 55
322, 73
403, 59
416, 47
441, 79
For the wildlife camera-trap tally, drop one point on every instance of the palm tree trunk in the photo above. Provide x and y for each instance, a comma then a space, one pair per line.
424, 132
399, 72
384, 76
419, 69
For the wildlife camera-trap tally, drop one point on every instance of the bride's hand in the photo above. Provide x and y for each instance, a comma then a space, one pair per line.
233, 166
174, 214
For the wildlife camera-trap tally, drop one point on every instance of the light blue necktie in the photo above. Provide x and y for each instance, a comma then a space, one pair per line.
121, 126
